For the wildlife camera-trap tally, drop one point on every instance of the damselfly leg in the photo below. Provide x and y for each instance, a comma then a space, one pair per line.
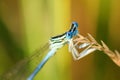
74, 49
90, 45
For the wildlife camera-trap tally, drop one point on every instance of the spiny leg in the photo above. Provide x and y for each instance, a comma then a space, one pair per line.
76, 55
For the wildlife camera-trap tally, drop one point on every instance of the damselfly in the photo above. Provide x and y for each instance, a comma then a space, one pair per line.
75, 43
54, 44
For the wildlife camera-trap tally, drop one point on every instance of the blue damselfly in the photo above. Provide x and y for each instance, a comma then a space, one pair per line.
54, 44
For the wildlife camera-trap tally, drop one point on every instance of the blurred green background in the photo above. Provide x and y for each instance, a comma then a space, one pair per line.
26, 25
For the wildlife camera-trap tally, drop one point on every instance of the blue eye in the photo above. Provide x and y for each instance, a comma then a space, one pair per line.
73, 31
75, 24
69, 35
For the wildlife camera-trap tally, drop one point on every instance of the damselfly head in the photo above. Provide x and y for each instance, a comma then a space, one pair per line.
73, 30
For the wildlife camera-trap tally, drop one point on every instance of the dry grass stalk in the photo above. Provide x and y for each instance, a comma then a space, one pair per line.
115, 56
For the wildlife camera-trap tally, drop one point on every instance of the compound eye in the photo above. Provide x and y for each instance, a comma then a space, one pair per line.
69, 35
75, 24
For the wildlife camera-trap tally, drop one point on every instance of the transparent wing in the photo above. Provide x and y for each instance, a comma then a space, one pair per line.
23, 69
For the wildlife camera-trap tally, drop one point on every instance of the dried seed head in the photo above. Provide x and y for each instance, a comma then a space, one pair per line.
115, 56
